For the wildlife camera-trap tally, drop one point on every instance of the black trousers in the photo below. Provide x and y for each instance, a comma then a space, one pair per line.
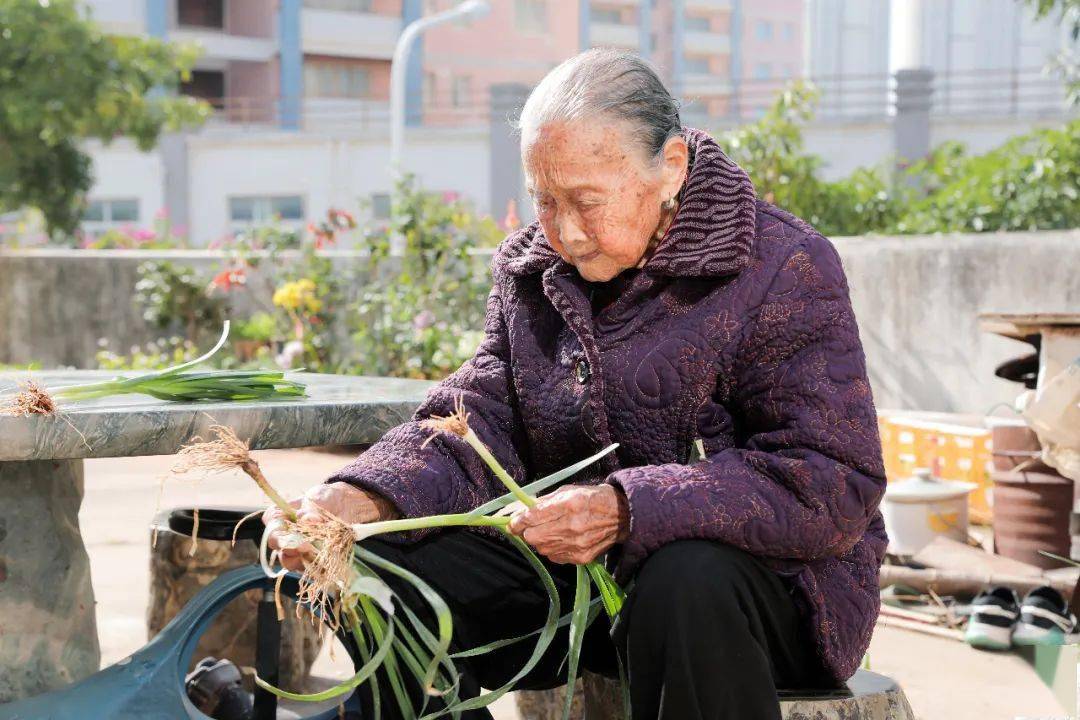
708, 632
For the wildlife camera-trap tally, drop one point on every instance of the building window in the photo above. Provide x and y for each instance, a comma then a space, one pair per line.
762, 71
104, 214
251, 210
201, 13
763, 30
609, 16
335, 80
530, 16
208, 85
788, 31
696, 64
461, 91
381, 206
363, 6
697, 23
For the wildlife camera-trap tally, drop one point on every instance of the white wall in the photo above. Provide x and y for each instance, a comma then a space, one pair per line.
846, 146
121, 170
274, 165
349, 34
123, 17
326, 171
983, 135
340, 170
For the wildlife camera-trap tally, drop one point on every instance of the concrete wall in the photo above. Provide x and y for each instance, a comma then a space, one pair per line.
917, 299
55, 305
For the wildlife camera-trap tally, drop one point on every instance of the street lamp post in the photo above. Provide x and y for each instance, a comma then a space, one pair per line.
469, 8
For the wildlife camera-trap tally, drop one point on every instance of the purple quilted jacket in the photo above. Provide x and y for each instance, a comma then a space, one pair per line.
738, 331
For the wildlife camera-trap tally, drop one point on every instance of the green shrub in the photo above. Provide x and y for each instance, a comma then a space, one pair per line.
1028, 183
260, 327
176, 297
156, 355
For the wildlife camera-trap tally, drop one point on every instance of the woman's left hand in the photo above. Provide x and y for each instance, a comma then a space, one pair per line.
575, 524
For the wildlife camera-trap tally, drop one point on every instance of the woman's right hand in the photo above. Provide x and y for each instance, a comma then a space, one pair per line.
345, 501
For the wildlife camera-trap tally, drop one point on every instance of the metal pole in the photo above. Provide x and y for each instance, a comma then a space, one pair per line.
474, 8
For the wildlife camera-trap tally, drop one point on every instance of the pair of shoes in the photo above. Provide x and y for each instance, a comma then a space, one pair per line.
999, 619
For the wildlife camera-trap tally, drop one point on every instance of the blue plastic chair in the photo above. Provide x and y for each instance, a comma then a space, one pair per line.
149, 685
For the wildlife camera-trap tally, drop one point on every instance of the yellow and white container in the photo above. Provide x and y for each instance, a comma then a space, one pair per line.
958, 445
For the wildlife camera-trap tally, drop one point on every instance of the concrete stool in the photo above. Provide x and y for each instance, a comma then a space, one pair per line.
869, 696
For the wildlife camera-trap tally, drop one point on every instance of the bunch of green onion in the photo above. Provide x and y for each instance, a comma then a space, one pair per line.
390, 636
174, 384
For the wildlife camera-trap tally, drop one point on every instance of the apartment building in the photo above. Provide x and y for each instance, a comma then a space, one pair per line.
987, 56
301, 93
319, 64
301, 89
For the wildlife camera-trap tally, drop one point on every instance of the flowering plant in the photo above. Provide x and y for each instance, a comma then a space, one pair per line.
298, 296
421, 315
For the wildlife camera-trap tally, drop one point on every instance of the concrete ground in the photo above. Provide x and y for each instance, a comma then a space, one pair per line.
942, 678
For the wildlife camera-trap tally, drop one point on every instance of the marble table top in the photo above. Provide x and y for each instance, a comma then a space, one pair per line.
339, 409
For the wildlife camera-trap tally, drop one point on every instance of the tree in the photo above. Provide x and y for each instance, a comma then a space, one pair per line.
62, 82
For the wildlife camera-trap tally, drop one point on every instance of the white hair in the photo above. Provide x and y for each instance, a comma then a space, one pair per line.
604, 82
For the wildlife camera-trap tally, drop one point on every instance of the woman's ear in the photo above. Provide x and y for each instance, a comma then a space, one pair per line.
674, 161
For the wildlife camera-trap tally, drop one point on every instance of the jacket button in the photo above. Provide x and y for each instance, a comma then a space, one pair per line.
581, 371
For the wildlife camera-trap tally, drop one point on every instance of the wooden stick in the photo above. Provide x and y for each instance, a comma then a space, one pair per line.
914, 615
922, 627
950, 582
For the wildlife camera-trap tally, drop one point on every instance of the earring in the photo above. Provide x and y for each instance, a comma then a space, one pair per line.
669, 204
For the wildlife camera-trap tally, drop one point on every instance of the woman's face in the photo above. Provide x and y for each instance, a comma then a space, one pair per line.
597, 197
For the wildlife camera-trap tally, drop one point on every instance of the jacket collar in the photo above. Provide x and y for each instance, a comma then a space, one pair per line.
711, 235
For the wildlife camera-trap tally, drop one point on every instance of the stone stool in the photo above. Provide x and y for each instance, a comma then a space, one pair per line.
176, 576
869, 696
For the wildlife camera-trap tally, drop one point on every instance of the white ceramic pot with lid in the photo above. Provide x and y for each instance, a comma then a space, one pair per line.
923, 507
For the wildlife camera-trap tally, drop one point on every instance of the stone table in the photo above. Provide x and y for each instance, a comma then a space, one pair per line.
48, 635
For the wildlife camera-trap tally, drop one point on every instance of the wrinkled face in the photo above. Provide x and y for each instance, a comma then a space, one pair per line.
597, 196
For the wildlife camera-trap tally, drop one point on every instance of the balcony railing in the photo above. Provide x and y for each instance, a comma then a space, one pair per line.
709, 100
985, 94
344, 115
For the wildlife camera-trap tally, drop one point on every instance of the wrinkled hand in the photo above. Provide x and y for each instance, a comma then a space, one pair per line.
575, 524
349, 503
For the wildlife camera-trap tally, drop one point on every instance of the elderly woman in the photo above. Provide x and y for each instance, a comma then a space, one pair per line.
655, 304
